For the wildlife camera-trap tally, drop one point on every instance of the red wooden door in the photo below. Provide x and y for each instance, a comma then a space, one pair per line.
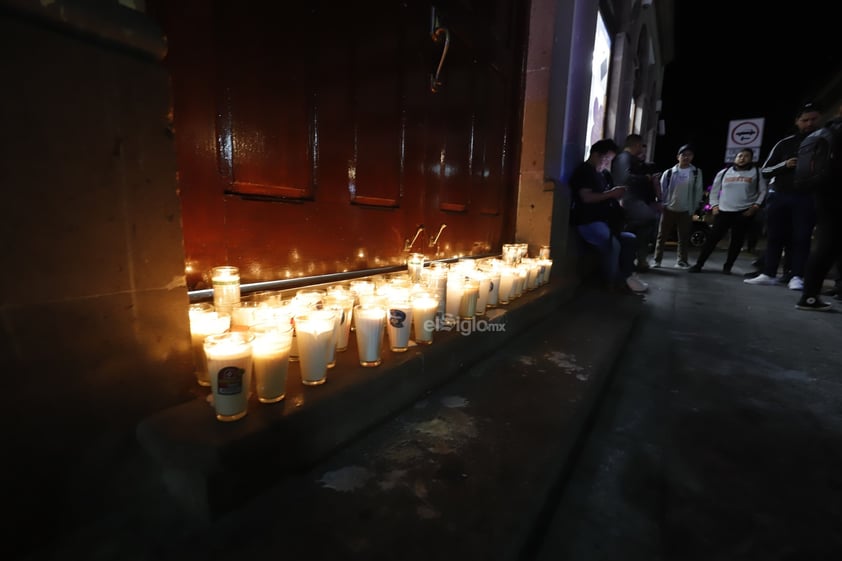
310, 142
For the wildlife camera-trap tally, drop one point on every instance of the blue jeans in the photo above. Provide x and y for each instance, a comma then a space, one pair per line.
617, 252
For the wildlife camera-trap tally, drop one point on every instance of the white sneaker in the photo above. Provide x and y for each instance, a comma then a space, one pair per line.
796, 283
636, 285
762, 279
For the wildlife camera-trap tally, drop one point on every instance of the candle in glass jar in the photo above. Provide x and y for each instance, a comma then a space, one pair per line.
204, 321
315, 331
468, 301
424, 309
415, 266
270, 354
226, 288
370, 322
229, 365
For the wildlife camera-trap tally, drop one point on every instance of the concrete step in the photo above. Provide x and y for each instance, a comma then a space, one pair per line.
211, 467
471, 470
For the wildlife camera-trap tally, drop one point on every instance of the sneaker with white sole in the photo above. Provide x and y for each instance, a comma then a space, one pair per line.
796, 283
812, 303
636, 285
762, 279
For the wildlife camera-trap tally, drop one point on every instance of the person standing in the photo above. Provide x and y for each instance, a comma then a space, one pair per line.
598, 218
828, 246
639, 202
737, 193
790, 214
682, 191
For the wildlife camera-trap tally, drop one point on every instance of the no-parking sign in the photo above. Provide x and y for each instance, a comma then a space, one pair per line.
744, 133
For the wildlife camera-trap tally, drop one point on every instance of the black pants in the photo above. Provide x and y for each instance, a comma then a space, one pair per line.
738, 223
827, 248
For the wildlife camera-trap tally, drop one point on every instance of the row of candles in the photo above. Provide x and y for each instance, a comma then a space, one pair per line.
244, 346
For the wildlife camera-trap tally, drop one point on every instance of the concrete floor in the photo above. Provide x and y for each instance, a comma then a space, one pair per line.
720, 437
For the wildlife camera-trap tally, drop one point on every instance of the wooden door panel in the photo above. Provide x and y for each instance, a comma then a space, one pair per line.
264, 113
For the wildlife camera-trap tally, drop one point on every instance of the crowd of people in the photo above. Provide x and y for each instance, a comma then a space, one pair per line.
624, 209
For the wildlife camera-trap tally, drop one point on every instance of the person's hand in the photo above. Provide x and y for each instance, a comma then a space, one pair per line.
791, 162
751, 211
714, 210
617, 192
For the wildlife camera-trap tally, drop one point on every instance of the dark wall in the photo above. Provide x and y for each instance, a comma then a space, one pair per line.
95, 332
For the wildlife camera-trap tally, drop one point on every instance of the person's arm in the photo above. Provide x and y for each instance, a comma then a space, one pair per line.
589, 196
762, 190
715, 190
775, 164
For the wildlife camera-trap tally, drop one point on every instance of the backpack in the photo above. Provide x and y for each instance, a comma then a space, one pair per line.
819, 158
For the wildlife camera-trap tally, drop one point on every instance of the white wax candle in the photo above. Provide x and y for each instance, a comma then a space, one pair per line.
424, 311
370, 324
270, 353
399, 325
229, 366
315, 334
468, 301
484, 289
226, 288
202, 324
493, 289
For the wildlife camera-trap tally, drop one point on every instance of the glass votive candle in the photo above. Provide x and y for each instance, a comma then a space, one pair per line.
229, 367
468, 301
484, 280
435, 277
548, 265
424, 309
544, 252
493, 286
509, 254
270, 355
343, 305
507, 281
370, 322
244, 314
399, 324
204, 321
226, 288
415, 266
455, 288
315, 331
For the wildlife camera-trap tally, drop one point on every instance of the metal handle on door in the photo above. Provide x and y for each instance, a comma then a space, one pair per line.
435, 83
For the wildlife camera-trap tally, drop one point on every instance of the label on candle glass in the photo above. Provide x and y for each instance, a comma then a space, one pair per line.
230, 380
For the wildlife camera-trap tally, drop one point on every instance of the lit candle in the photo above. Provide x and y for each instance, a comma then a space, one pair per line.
226, 288
315, 330
468, 301
370, 323
415, 266
229, 366
204, 321
494, 287
455, 288
507, 278
270, 353
484, 281
399, 324
424, 308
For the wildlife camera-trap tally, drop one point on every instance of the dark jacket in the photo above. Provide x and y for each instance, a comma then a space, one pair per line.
609, 211
628, 170
774, 169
